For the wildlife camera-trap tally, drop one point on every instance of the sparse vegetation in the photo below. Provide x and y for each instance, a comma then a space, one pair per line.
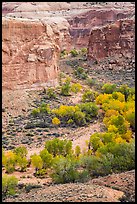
74, 52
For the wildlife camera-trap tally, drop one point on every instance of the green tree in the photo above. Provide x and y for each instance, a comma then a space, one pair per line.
89, 96
37, 162
10, 161
64, 170
96, 141
109, 88
59, 147
77, 151
21, 151
22, 162
79, 118
65, 88
76, 87
9, 184
124, 89
47, 158
90, 109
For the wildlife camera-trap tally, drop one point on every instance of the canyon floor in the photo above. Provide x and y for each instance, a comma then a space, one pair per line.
16, 107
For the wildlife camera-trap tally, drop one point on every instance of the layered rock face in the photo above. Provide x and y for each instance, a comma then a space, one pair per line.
81, 25
30, 52
116, 39
34, 33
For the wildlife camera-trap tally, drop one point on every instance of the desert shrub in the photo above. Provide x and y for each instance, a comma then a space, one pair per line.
123, 155
131, 95
41, 173
111, 112
10, 161
95, 141
59, 147
75, 88
78, 114
83, 51
120, 122
112, 128
90, 109
91, 82
74, 52
103, 98
47, 158
61, 75
9, 184
22, 163
80, 73
66, 171
115, 105
129, 106
41, 111
63, 53
65, 112
119, 125
89, 96
44, 108
97, 166
79, 118
118, 96
108, 137
50, 93
36, 162
55, 121
124, 89
77, 151
35, 112
21, 151
130, 117
108, 88
70, 121
65, 88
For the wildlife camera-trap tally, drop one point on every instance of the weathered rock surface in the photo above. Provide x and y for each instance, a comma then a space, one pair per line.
30, 51
34, 33
116, 39
81, 25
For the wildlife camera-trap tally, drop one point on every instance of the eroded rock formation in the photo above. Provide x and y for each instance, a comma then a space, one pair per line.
82, 24
116, 39
34, 33
30, 52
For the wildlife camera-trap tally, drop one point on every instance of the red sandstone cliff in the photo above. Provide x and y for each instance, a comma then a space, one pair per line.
82, 24
33, 33
115, 39
30, 52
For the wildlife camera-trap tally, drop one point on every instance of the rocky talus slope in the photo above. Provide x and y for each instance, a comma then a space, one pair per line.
112, 188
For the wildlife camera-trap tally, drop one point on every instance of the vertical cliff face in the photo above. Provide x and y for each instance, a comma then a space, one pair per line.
81, 25
30, 53
116, 39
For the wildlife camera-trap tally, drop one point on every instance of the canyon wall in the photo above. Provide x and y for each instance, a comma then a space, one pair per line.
81, 25
30, 52
116, 39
